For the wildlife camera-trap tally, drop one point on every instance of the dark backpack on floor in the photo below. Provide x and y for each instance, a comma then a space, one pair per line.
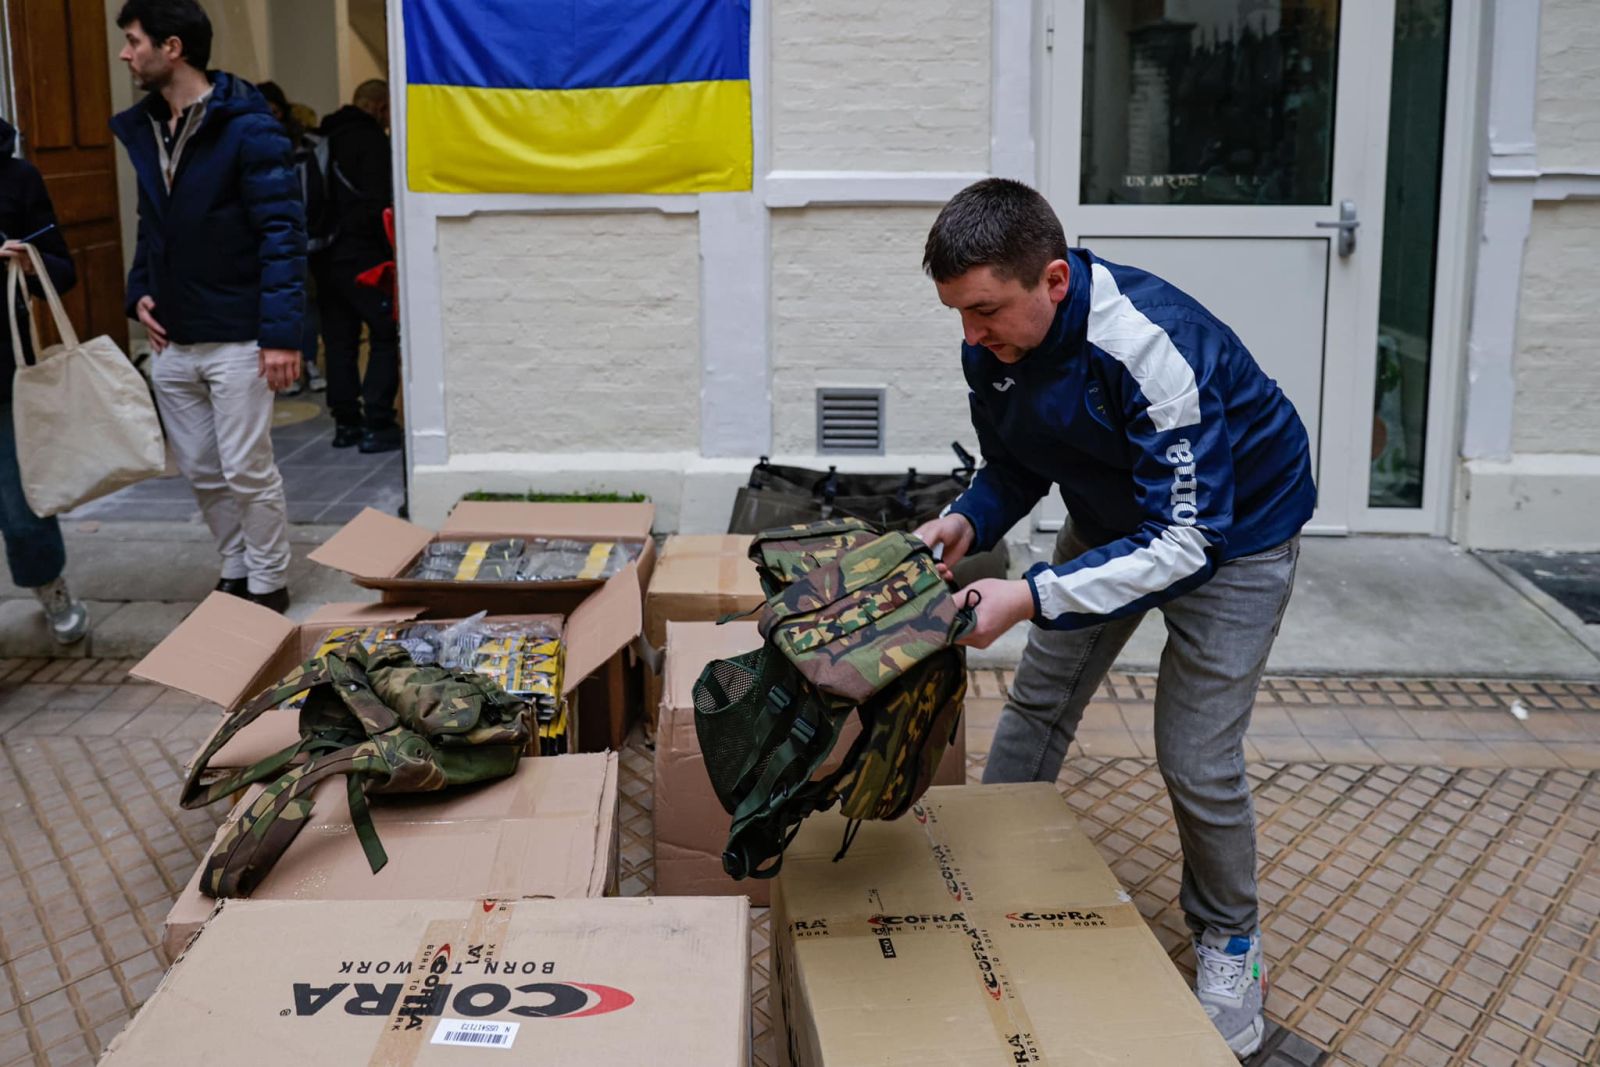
854, 620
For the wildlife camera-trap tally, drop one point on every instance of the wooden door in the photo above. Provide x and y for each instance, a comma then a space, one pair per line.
61, 71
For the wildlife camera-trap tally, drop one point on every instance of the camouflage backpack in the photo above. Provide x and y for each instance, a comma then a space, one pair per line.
386, 724
854, 620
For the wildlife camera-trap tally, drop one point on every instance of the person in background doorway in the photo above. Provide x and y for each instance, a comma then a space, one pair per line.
34, 549
218, 280
360, 184
289, 116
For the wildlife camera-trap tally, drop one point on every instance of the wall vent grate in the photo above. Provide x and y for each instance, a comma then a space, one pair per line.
850, 421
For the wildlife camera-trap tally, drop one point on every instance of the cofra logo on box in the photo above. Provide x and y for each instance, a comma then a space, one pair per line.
463, 987
904, 921
1075, 919
535, 1000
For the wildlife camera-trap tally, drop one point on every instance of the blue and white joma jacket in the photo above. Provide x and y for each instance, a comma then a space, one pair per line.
1173, 451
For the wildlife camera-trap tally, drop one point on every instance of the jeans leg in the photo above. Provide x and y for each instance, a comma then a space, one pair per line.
243, 404
1218, 637
1058, 675
34, 549
185, 400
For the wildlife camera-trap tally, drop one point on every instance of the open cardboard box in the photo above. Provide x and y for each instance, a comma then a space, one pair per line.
983, 927
697, 578
424, 982
550, 830
229, 649
691, 829
377, 550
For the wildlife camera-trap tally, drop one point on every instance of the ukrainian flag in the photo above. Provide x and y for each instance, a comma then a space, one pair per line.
578, 96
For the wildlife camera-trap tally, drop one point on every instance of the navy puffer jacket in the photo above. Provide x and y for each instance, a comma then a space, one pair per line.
224, 254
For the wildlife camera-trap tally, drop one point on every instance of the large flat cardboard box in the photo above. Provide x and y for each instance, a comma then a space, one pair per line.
550, 830
377, 550
697, 578
228, 650
429, 983
982, 928
691, 829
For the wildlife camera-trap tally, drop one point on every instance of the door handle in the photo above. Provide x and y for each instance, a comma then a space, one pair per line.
1346, 226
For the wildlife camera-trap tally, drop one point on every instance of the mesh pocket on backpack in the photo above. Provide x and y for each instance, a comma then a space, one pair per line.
729, 701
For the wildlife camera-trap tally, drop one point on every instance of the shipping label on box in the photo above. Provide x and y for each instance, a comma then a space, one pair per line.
639, 981
981, 928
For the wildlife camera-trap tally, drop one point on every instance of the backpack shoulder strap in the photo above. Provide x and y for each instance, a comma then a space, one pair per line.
263, 832
308, 676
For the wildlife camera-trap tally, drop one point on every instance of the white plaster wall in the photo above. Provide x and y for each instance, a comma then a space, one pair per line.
1558, 375
571, 332
894, 85
1568, 109
851, 306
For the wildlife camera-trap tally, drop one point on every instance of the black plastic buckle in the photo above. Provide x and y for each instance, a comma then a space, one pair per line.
778, 700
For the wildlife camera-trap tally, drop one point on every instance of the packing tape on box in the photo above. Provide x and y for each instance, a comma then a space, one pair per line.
446, 945
974, 920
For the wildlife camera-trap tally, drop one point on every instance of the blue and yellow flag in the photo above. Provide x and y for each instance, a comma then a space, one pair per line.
578, 96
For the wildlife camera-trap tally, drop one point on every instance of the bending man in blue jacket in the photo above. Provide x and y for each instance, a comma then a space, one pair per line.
218, 280
1187, 476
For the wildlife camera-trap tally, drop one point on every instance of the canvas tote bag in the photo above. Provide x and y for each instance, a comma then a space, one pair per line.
85, 423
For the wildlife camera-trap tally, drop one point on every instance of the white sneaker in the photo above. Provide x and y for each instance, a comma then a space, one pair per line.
68, 618
1231, 982
314, 376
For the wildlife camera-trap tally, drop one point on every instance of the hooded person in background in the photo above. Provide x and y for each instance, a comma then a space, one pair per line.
34, 549
361, 186
218, 280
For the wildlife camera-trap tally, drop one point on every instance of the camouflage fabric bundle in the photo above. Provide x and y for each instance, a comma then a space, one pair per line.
854, 620
374, 716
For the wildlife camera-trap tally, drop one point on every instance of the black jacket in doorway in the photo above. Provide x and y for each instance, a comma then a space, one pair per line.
24, 210
362, 186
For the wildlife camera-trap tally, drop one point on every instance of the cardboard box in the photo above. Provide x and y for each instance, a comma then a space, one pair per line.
982, 928
697, 578
377, 550
550, 830
691, 829
228, 650
640, 981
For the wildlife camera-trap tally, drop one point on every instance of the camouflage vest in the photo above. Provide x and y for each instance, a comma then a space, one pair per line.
854, 620
386, 724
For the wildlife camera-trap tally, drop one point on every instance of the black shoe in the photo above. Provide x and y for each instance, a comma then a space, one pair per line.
277, 600
234, 586
388, 439
344, 436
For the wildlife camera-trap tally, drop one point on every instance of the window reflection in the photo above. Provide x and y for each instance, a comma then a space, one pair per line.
1209, 101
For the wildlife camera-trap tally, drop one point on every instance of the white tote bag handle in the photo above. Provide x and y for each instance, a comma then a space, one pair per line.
14, 278
17, 293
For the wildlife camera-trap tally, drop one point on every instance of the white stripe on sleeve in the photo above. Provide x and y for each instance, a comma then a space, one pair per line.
1128, 336
1179, 552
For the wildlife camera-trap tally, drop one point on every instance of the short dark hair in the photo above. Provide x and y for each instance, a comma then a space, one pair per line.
996, 223
163, 19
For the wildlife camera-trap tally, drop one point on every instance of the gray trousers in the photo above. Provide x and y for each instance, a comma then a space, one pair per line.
1218, 637
217, 411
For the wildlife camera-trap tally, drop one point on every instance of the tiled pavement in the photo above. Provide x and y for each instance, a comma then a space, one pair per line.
321, 484
1430, 863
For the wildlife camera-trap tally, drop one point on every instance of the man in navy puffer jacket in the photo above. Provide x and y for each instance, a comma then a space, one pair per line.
1187, 476
218, 280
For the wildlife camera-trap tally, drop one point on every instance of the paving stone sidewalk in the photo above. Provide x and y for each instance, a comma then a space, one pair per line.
1427, 903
